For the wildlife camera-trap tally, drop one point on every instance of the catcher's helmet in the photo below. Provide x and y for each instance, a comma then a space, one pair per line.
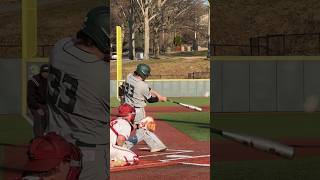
126, 109
48, 151
143, 70
96, 26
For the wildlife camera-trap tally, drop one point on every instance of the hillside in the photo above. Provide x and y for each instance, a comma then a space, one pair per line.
169, 67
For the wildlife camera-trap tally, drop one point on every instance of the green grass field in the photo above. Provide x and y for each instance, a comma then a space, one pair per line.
198, 101
194, 124
269, 125
14, 129
273, 125
298, 169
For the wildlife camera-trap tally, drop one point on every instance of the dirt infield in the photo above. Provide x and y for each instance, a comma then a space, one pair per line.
184, 157
14, 161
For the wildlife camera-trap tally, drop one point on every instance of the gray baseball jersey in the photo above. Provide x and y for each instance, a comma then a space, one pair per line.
136, 91
78, 94
136, 94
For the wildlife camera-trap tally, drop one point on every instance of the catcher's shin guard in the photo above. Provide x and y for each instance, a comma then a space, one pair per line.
152, 140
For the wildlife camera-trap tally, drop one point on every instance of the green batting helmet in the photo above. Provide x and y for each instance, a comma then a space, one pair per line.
143, 70
96, 26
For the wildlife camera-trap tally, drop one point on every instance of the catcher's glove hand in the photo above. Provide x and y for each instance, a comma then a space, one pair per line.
151, 126
148, 123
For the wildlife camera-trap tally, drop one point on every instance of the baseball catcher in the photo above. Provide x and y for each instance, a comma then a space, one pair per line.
78, 92
137, 92
120, 129
52, 158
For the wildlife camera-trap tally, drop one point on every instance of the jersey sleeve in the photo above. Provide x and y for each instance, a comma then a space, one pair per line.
146, 92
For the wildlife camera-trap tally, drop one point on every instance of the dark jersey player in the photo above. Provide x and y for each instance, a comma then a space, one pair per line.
78, 92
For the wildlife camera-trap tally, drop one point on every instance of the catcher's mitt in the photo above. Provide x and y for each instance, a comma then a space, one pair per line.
148, 123
151, 126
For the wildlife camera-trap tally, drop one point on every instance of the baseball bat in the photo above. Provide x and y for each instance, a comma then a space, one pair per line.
186, 105
266, 145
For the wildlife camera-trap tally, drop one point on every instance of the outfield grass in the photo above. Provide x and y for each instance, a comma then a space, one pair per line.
197, 101
297, 169
272, 125
14, 129
194, 124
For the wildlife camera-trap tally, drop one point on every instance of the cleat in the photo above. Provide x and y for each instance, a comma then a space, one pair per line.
158, 149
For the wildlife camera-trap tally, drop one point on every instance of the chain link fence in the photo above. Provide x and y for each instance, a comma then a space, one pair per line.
306, 44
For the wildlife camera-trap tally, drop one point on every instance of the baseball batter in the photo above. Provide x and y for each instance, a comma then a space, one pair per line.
120, 130
137, 92
78, 92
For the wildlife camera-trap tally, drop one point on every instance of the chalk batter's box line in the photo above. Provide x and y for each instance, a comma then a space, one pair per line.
162, 163
175, 151
183, 158
143, 166
195, 164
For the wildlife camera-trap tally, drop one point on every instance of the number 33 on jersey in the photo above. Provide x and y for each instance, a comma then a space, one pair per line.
62, 90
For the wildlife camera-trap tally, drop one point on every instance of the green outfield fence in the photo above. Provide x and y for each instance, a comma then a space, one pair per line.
265, 83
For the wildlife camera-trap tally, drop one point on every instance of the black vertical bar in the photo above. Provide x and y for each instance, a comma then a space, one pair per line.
284, 44
319, 43
267, 44
277, 90
251, 46
258, 44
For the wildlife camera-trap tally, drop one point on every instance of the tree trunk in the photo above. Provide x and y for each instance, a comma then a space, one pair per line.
146, 35
195, 42
156, 43
131, 39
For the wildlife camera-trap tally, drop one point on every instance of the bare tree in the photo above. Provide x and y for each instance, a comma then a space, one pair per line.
194, 25
127, 11
170, 15
156, 16
149, 9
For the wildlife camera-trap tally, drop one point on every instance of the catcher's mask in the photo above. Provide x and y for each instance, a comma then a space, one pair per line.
126, 109
48, 151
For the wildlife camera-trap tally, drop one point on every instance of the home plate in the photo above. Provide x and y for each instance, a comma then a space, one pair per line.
178, 156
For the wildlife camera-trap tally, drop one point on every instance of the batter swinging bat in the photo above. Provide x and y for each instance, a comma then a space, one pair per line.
258, 143
186, 105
